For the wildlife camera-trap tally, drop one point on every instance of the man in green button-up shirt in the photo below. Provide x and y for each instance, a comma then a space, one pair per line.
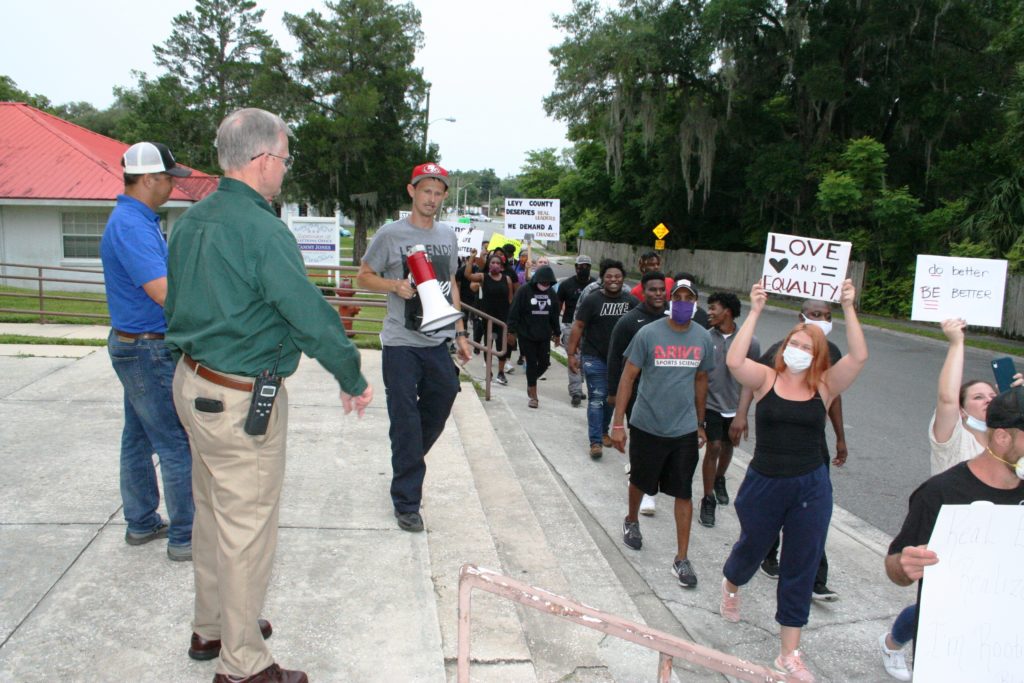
238, 304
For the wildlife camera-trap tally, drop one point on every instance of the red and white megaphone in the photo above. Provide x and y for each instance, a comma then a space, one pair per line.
437, 312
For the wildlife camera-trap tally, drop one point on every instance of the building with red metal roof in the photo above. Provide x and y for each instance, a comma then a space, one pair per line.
58, 184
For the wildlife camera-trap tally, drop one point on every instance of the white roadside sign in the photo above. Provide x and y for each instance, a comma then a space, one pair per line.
318, 239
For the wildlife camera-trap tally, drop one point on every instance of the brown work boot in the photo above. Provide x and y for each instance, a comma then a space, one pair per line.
596, 451
272, 674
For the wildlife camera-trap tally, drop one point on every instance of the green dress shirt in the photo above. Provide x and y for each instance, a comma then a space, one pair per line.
238, 296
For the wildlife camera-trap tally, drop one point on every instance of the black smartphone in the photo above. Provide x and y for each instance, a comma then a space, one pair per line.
1004, 371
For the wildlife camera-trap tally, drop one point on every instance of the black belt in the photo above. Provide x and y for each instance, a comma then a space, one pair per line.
214, 376
139, 335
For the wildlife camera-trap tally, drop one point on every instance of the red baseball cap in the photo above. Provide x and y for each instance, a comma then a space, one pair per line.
429, 170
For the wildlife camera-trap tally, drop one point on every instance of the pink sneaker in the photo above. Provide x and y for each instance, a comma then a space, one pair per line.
730, 607
793, 666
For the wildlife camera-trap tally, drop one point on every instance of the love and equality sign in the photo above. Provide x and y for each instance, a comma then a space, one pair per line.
805, 267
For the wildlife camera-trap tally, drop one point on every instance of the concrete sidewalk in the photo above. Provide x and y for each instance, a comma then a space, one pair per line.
352, 597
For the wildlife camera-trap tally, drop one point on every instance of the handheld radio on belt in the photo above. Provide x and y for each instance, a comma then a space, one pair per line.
264, 392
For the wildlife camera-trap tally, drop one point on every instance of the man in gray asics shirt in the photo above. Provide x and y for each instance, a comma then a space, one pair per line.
419, 377
672, 357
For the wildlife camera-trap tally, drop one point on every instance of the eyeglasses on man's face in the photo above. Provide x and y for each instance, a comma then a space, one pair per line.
286, 160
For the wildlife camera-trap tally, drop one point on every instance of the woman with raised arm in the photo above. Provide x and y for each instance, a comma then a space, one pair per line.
787, 486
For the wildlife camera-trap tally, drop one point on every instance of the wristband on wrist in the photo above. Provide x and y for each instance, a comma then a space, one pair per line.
618, 426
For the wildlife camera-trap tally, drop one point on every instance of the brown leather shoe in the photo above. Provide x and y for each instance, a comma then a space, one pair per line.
202, 649
272, 674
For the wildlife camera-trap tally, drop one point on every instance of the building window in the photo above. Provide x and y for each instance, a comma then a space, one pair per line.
81, 232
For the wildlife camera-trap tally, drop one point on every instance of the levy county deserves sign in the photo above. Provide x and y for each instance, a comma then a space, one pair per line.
539, 217
805, 267
317, 238
954, 287
468, 236
971, 601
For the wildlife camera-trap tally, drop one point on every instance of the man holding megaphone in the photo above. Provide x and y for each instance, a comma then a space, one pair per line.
414, 261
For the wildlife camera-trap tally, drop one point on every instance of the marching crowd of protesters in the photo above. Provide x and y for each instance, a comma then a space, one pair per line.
202, 350
666, 378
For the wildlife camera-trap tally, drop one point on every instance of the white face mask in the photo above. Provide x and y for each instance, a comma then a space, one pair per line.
975, 424
823, 325
796, 359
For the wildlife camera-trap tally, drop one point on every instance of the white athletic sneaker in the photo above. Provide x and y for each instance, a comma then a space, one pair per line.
894, 661
647, 505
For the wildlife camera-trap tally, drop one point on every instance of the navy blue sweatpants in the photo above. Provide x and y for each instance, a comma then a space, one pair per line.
801, 507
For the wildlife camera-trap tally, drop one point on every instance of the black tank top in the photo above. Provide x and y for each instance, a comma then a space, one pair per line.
789, 435
495, 297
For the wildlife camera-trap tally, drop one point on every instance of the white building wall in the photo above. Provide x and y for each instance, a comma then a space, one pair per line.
31, 235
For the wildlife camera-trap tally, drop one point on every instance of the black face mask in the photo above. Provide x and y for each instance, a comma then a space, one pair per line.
582, 273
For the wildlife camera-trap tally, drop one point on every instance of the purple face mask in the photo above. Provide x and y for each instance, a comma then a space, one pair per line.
682, 312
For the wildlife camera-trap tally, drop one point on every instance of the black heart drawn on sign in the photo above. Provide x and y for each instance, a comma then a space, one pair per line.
779, 264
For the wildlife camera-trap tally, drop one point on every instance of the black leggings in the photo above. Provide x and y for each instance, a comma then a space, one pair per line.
538, 358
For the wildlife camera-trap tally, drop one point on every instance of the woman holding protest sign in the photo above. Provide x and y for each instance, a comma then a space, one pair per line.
787, 486
957, 433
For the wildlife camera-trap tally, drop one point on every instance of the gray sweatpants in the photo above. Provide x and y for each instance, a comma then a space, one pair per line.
575, 378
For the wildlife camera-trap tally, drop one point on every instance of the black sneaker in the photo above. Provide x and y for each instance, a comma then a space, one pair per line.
721, 495
707, 511
770, 567
823, 593
521, 361
409, 521
160, 531
684, 572
631, 534
500, 379
576, 400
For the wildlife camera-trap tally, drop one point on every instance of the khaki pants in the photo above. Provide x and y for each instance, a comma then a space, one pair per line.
236, 482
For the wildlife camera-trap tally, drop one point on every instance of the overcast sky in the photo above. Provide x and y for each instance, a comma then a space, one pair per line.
488, 62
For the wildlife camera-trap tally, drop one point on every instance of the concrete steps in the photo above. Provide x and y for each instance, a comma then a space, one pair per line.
541, 539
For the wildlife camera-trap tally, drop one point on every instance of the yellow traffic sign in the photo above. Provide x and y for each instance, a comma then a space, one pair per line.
660, 232
659, 245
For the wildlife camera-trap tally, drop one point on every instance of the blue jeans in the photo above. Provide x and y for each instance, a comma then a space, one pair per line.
151, 424
421, 385
905, 626
599, 413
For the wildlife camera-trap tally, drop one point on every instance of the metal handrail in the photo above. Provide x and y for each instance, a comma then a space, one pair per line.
487, 348
667, 645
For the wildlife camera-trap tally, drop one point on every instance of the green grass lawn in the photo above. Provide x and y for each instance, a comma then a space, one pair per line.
93, 304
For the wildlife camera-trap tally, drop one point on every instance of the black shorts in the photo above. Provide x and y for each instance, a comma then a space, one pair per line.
717, 427
666, 464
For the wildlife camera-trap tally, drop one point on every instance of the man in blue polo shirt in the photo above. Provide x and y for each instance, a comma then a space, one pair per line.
134, 257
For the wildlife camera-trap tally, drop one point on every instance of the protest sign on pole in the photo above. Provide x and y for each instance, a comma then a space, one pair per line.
971, 601
804, 267
499, 240
468, 236
955, 287
539, 217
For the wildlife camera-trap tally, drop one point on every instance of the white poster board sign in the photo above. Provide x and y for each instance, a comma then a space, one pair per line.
468, 236
539, 217
805, 267
972, 600
955, 287
318, 239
